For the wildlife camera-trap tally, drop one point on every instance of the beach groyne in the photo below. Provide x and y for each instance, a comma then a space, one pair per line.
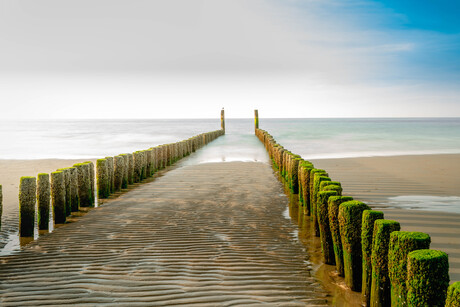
84, 185
366, 239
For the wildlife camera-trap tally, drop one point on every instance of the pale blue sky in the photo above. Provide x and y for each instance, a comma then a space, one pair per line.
189, 58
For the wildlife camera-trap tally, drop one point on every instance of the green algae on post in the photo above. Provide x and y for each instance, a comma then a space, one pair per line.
43, 200
367, 233
380, 284
118, 171
333, 212
350, 220
58, 196
427, 277
316, 183
110, 168
27, 199
256, 119
92, 181
453, 295
327, 247
401, 244
68, 199
102, 175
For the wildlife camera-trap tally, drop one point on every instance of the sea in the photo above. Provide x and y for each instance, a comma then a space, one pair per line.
308, 137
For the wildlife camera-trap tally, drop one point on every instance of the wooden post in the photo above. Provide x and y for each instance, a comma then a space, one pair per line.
380, 285
43, 199
110, 168
27, 199
130, 168
327, 247
102, 175
367, 234
453, 295
256, 119
222, 119
68, 199
84, 184
333, 212
401, 244
431, 267
118, 164
75, 201
58, 196
350, 223
1, 205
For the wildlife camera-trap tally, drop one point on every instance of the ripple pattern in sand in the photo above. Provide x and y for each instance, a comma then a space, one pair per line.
207, 235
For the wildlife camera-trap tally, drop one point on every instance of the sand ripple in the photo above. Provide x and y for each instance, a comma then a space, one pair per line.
210, 234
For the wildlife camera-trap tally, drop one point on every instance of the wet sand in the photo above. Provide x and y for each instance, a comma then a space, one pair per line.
209, 234
375, 179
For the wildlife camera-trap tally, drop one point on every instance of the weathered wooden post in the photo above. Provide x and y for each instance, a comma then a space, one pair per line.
68, 199
92, 182
110, 169
125, 179
350, 220
401, 244
427, 277
256, 119
84, 184
43, 200
333, 212
222, 119
118, 164
102, 175
380, 285
327, 247
367, 234
453, 295
1, 206
319, 177
58, 196
130, 168
27, 199
74, 200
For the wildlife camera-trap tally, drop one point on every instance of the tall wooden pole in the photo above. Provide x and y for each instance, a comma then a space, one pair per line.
256, 119
222, 119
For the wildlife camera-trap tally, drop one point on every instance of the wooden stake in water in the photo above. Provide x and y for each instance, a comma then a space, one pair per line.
222, 120
256, 119
43, 199
27, 199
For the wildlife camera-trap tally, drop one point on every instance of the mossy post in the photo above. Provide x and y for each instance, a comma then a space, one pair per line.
68, 199
222, 119
43, 200
1, 205
401, 244
103, 188
74, 201
295, 175
427, 277
313, 173
84, 184
110, 169
327, 247
453, 295
27, 199
256, 119
58, 196
350, 220
367, 233
92, 182
118, 163
333, 212
380, 284
125, 179
316, 189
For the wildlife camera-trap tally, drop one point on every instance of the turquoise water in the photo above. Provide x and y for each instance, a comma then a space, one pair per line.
311, 138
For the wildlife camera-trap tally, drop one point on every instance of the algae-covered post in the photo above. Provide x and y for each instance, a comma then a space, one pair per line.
118, 164
427, 277
350, 220
1, 206
222, 119
319, 177
453, 295
27, 199
68, 199
102, 175
58, 196
324, 229
75, 202
84, 184
43, 200
92, 181
367, 233
380, 284
110, 168
401, 244
256, 119
333, 212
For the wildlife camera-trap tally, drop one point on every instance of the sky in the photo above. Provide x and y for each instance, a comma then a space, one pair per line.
190, 58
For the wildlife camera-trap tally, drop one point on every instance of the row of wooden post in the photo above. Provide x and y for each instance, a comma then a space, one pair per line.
68, 189
389, 266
